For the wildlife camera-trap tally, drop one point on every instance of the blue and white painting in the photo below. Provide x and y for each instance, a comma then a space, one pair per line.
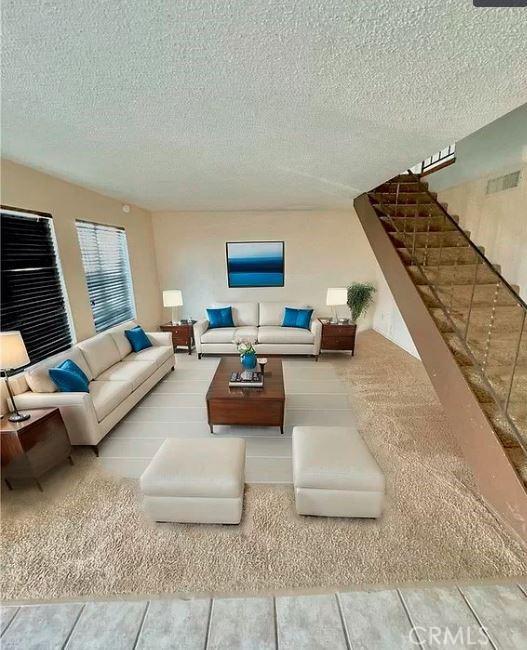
255, 264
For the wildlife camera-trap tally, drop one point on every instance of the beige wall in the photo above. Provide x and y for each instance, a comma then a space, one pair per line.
26, 188
322, 249
496, 221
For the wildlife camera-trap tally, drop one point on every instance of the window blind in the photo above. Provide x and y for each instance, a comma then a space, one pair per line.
33, 298
107, 268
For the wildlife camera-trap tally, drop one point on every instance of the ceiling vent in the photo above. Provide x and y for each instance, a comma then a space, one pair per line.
501, 183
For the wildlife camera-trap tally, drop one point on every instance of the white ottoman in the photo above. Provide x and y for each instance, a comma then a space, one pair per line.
196, 480
334, 474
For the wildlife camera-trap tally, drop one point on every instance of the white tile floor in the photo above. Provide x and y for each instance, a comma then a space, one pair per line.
176, 408
465, 616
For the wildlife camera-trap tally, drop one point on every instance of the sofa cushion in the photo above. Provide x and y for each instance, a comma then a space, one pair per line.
278, 334
138, 338
334, 458
197, 467
69, 378
118, 335
243, 313
37, 376
107, 395
272, 313
157, 353
220, 317
135, 371
229, 334
101, 352
297, 318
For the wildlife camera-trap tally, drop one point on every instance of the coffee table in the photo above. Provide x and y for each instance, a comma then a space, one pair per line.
249, 406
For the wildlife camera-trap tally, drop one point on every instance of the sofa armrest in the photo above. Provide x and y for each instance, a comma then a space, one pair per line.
160, 338
316, 329
77, 411
200, 327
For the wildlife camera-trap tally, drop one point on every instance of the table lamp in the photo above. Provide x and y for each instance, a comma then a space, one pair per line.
173, 298
13, 355
336, 296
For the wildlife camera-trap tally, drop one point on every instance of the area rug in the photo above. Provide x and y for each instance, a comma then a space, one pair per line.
93, 540
87, 536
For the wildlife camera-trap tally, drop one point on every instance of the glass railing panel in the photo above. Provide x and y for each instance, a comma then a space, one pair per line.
516, 401
505, 349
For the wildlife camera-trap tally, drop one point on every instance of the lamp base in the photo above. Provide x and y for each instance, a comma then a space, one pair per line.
18, 417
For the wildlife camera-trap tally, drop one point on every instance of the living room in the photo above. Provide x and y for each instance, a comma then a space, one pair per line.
344, 482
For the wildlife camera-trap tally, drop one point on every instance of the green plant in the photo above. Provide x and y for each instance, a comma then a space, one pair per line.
360, 297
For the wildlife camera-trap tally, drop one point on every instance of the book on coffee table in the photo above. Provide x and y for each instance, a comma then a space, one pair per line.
247, 379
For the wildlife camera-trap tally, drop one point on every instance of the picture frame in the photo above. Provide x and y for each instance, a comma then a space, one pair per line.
255, 264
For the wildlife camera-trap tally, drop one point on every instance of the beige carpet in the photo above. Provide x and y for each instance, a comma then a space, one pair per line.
86, 535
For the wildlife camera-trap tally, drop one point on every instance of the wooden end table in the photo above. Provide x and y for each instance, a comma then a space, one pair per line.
337, 336
250, 406
31, 448
182, 334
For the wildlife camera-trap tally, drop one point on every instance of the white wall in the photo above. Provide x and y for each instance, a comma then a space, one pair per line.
29, 189
387, 319
322, 249
496, 221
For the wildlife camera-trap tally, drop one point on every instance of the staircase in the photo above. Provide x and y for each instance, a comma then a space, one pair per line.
469, 326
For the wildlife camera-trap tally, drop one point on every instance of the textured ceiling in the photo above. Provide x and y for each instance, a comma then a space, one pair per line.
261, 104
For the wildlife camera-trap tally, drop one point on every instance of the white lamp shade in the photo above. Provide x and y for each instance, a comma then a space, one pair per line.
13, 353
172, 298
337, 296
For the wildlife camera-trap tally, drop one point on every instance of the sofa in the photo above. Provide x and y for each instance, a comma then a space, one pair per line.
119, 378
260, 322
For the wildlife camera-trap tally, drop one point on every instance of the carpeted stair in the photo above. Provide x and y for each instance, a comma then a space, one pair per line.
481, 318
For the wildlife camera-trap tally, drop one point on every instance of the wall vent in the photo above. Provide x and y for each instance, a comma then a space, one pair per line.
503, 182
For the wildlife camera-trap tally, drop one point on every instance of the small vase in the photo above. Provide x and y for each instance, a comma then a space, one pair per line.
248, 360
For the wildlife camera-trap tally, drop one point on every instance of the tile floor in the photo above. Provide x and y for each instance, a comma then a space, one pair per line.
482, 616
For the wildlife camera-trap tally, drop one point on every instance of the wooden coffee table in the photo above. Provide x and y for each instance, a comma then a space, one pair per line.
250, 406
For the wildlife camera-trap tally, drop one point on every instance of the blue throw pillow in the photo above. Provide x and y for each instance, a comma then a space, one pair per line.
221, 317
69, 378
297, 318
138, 339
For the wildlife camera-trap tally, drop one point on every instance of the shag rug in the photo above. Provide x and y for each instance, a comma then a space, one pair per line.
86, 534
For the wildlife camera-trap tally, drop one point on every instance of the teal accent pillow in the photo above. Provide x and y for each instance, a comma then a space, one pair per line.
221, 317
297, 318
138, 339
69, 378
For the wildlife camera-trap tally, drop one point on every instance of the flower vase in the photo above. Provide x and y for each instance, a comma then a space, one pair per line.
248, 360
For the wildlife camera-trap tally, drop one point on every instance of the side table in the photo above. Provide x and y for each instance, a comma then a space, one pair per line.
31, 448
182, 334
338, 336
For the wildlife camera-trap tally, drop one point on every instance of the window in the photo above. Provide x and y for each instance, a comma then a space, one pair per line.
105, 259
33, 294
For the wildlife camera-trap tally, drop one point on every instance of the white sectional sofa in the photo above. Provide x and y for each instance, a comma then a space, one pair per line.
261, 322
119, 378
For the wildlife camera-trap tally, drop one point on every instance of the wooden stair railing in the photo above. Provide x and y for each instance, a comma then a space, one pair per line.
469, 327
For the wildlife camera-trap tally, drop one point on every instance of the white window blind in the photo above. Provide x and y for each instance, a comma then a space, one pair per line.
107, 268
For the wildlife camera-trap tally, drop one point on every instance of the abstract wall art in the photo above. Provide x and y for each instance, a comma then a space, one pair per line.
255, 264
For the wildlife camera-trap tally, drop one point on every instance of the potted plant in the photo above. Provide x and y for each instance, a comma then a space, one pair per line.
360, 297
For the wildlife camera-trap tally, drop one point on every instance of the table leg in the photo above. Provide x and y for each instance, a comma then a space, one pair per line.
71, 460
8, 484
211, 428
38, 485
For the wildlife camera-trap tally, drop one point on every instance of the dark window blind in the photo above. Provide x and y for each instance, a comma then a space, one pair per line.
107, 268
32, 298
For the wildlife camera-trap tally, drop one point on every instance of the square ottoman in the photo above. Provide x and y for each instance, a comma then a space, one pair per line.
334, 473
196, 480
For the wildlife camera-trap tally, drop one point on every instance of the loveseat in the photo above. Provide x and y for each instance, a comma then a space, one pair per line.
260, 322
119, 378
